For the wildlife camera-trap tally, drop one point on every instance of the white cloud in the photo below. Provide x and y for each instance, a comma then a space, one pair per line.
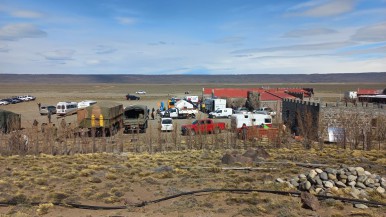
64, 54
323, 8
308, 32
374, 50
93, 62
374, 33
104, 49
298, 47
4, 48
26, 14
126, 20
19, 31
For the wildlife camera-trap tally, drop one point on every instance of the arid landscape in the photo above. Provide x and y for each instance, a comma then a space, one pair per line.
156, 165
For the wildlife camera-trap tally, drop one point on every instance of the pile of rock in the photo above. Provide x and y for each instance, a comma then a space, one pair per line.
327, 180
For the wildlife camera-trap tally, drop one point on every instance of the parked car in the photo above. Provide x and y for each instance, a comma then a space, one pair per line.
12, 100
44, 109
4, 102
140, 92
167, 124
241, 110
202, 126
132, 97
266, 109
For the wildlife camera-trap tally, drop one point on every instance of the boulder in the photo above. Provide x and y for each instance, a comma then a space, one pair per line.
331, 176
312, 174
380, 190
360, 171
318, 170
254, 154
309, 201
323, 176
351, 178
328, 184
228, 159
360, 206
360, 185
340, 184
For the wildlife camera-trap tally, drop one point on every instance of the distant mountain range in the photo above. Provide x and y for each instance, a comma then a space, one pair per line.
370, 77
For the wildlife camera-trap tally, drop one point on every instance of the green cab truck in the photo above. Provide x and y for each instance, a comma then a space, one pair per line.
9, 121
135, 118
105, 117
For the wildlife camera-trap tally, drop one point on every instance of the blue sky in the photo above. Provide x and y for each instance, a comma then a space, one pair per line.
192, 36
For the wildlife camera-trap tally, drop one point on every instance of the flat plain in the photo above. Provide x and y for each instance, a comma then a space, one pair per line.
129, 178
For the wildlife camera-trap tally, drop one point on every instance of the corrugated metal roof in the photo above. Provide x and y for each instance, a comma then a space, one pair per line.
272, 94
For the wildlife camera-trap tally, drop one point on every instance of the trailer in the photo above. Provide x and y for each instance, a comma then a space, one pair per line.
212, 105
9, 121
105, 118
250, 120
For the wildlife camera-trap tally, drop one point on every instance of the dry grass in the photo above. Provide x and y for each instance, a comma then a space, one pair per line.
111, 178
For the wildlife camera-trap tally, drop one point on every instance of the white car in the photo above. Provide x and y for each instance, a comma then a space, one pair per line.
267, 110
3, 102
167, 124
140, 92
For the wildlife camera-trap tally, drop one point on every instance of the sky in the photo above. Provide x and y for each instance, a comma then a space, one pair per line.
192, 36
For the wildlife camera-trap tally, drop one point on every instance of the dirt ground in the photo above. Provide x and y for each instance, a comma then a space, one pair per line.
106, 179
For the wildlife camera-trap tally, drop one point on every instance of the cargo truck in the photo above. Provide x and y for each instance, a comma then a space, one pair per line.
106, 118
135, 118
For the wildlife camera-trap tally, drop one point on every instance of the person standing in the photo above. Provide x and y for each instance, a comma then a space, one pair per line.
152, 113
49, 116
39, 105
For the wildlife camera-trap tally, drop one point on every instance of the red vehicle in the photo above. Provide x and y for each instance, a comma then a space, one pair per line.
202, 126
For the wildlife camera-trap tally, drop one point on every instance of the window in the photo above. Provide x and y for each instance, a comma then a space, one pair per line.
267, 121
245, 116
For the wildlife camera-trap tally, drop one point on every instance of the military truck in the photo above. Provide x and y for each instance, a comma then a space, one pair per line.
135, 118
9, 121
105, 117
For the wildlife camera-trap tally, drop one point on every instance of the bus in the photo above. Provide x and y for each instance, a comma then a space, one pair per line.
66, 108
86, 103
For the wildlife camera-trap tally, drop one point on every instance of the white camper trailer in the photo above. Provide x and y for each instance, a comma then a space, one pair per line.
250, 119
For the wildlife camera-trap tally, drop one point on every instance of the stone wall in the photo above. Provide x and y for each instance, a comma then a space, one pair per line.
359, 118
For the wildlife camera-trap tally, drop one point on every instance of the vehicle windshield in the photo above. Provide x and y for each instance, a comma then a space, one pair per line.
167, 121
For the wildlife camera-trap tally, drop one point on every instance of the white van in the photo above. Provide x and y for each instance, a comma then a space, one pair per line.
250, 119
66, 108
221, 113
167, 124
86, 103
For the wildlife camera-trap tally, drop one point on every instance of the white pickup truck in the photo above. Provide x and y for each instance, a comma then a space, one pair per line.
179, 113
221, 113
